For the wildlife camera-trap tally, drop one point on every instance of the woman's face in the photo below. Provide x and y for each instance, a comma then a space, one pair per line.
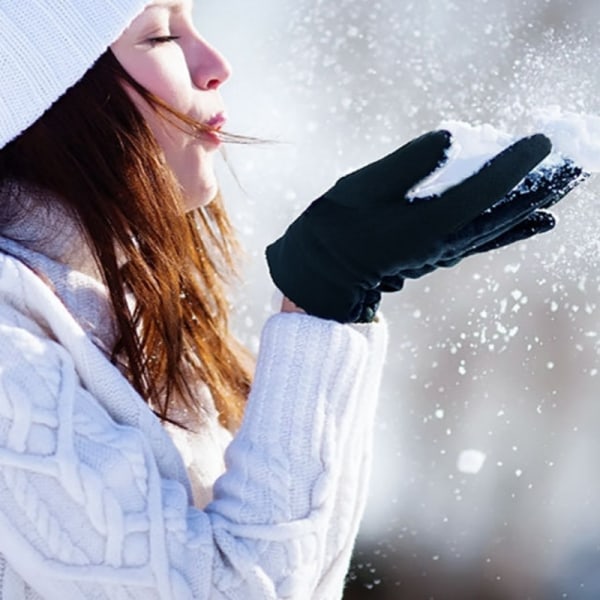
162, 51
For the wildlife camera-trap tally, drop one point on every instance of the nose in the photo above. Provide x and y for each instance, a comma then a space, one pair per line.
209, 68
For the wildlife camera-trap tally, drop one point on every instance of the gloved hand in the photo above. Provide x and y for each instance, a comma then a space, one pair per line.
516, 217
364, 235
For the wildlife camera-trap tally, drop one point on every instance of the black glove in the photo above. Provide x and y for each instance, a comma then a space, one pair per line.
364, 236
516, 217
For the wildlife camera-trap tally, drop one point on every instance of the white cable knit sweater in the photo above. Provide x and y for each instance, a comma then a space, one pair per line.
95, 500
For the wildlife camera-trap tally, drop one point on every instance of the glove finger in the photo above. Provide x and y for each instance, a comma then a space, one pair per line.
462, 203
539, 190
556, 182
389, 178
536, 223
543, 187
417, 272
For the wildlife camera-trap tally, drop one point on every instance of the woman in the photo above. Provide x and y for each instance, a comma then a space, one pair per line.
120, 384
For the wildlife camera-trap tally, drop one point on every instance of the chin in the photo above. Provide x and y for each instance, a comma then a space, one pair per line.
199, 197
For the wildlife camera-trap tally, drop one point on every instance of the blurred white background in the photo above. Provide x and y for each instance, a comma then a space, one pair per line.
499, 356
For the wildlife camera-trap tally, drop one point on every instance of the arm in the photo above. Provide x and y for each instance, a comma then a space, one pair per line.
337, 448
353, 489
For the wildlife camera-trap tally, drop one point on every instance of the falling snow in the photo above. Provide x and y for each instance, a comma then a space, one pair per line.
470, 461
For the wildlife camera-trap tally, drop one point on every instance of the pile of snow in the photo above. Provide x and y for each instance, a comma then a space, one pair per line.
574, 136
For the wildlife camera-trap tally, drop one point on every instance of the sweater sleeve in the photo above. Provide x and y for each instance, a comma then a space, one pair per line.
86, 513
312, 408
355, 470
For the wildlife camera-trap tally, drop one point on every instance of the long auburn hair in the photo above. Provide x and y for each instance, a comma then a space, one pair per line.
94, 150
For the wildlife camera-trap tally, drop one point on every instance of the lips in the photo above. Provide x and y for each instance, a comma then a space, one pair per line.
214, 126
211, 127
216, 122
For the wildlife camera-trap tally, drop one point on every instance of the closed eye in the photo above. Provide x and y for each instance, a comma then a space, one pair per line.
163, 39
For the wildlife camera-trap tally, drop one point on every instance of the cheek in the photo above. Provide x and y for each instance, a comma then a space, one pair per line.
164, 74
171, 84
190, 161
170, 138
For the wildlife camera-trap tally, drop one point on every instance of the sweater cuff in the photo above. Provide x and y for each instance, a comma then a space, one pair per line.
299, 419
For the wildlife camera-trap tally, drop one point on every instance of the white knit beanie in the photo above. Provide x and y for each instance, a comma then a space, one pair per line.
46, 46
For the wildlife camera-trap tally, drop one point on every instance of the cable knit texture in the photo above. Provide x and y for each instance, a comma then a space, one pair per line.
95, 500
